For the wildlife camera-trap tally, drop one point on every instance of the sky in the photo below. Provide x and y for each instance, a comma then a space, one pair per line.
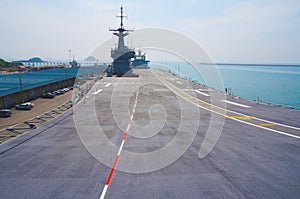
231, 31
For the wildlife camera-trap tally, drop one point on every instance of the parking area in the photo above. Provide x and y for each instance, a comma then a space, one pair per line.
41, 105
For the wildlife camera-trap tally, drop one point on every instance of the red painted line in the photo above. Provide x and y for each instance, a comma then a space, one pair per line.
120, 149
117, 157
112, 170
125, 136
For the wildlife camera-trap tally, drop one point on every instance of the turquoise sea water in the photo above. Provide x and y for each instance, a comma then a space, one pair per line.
275, 84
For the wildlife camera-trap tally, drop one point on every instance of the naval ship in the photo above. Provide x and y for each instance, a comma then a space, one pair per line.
139, 60
121, 54
140, 137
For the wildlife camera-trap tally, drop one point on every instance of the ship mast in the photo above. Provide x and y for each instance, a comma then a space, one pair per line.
121, 32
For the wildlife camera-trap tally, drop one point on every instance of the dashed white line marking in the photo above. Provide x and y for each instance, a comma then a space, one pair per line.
104, 191
107, 85
207, 95
188, 89
178, 82
237, 104
121, 147
245, 122
201, 89
98, 91
119, 152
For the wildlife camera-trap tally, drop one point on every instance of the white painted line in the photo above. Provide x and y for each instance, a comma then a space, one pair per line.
178, 82
171, 78
107, 85
128, 128
245, 122
188, 89
203, 89
95, 93
121, 147
104, 191
207, 95
237, 104
131, 117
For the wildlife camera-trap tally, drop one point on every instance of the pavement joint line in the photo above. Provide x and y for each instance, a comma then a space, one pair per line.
242, 121
120, 150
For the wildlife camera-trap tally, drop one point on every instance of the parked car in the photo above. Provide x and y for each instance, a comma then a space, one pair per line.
66, 89
60, 92
23, 107
5, 113
28, 104
54, 93
48, 95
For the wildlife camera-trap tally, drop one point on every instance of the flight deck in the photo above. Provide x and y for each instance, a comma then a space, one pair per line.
141, 137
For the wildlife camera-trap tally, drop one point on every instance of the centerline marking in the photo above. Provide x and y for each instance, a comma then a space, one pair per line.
120, 148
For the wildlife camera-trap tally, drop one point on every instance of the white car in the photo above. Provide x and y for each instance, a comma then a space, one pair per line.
31, 105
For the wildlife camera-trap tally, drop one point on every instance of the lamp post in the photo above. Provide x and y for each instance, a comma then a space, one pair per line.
70, 52
21, 87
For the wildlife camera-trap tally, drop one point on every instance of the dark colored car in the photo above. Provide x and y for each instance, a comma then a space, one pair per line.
48, 95
54, 93
5, 113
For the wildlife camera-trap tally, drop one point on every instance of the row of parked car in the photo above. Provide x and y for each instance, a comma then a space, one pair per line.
23, 106
50, 95
29, 105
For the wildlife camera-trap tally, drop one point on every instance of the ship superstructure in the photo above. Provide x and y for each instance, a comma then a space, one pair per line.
140, 61
121, 54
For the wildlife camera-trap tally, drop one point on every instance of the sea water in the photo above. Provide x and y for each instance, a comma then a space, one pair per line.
274, 84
